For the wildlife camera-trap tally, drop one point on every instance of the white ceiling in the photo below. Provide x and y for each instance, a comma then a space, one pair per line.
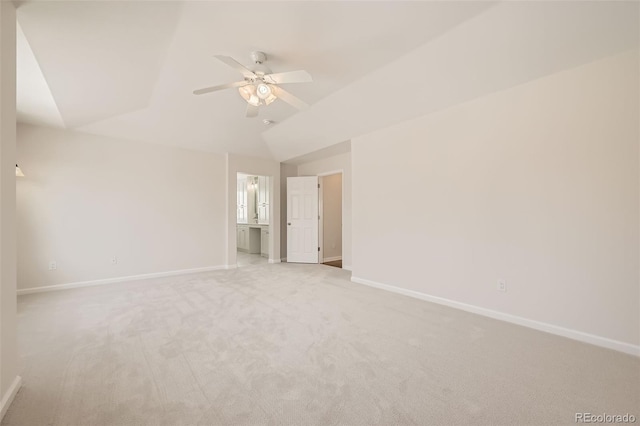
509, 44
100, 59
128, 69
34, 100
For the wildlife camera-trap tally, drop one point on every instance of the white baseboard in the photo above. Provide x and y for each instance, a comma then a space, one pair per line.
331, 259
118, 279
231, 266
274, 260
537, 325
7, 398
346, 267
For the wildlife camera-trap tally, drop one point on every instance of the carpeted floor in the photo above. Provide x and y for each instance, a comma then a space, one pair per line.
292, 344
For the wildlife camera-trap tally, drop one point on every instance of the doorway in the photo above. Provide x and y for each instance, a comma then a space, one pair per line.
253, 212
314, 219
330, 222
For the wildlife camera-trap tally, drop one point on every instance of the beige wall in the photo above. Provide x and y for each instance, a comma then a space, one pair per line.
536, 185
88, 198
331, 187
258, 167
336, 163
8, 317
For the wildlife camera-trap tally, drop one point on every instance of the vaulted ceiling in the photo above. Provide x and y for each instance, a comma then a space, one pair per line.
128, 69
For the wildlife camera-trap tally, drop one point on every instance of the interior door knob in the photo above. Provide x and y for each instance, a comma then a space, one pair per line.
289, 223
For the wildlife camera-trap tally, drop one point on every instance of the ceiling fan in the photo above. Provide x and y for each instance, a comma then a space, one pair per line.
260, 85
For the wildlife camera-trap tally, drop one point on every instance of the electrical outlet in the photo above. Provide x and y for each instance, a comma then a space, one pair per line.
114, 260
53, 265
502, 286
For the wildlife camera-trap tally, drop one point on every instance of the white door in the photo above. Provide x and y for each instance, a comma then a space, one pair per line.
302, 219
242, 200
263, 199
263, 190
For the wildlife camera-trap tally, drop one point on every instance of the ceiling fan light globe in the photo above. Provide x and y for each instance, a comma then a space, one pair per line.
263, 90
248, 93
254, 100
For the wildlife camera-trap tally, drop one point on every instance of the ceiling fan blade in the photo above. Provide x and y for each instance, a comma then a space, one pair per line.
300, 76
247, 73
252, 111
220, 87
289, 98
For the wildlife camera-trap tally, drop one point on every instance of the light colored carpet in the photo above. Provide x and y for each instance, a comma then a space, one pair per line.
291, 344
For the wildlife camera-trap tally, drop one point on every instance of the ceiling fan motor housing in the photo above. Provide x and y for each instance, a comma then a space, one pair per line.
258, 57
260, 69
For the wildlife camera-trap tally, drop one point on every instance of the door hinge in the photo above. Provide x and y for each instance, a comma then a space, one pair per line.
318, 248
318, 185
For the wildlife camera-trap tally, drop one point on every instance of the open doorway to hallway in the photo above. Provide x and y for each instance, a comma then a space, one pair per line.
330, 221
252, 219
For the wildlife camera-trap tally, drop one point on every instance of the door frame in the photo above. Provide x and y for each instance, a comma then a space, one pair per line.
321, 210
233, 199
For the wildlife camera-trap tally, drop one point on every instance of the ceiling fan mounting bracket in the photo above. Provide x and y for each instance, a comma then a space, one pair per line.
258, 57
